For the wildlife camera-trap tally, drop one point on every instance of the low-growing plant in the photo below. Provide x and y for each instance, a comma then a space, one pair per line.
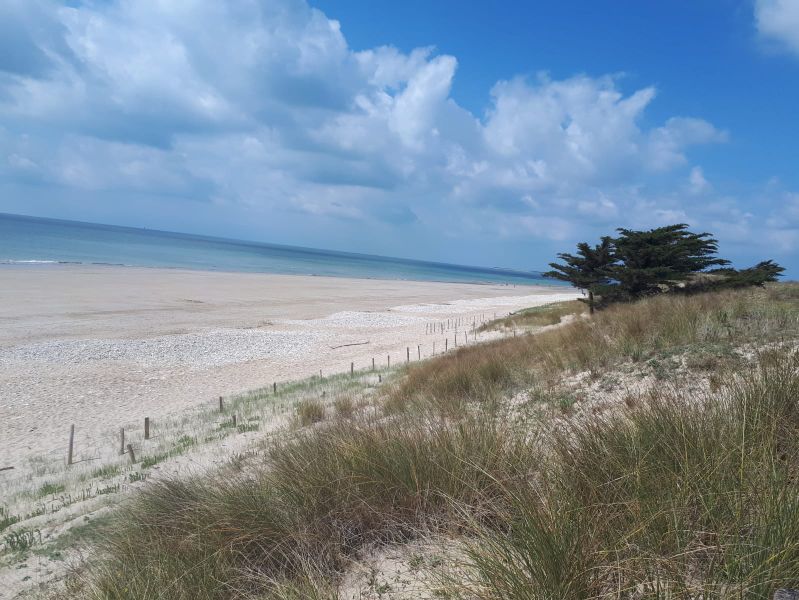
6, 519
48, 489
310, 411
344, 406
19, 541
106, 471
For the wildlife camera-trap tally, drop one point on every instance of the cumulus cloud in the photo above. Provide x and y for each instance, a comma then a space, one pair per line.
261, 107
778, 21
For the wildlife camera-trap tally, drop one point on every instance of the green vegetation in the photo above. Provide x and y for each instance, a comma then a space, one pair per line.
48, 489
106, 471
6, 519
670, 492
638, 264
678, 499
537, 316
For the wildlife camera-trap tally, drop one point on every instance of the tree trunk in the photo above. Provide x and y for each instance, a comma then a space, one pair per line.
590, 302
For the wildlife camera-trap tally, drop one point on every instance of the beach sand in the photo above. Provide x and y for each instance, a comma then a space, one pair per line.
98, 347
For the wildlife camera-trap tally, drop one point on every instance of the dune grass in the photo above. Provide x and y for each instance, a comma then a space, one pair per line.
671, 496
634, 332
538, 316
319, 499
682, 498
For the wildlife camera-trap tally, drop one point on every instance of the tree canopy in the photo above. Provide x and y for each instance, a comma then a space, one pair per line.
642, 263
588, 270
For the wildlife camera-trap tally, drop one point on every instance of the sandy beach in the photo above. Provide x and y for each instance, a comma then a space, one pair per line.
101, 346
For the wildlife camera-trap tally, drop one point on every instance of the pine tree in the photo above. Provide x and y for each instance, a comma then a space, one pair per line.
588, 270
763, 272
649, 262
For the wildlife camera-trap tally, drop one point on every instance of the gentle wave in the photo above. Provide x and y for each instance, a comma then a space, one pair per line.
29, 262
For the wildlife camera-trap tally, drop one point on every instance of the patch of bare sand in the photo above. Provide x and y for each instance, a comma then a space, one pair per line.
101, 346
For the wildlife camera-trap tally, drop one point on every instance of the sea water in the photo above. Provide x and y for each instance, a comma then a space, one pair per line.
32, 240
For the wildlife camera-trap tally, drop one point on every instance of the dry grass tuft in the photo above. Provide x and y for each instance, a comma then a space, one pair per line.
310, 411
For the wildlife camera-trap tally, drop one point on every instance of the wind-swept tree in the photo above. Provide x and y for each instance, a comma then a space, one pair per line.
762, 273
588, 270
649, 262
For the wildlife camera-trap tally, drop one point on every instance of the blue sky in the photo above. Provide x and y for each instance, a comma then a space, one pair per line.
474, 132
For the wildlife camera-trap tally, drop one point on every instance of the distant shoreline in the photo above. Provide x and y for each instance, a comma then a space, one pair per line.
54, 264
36, 241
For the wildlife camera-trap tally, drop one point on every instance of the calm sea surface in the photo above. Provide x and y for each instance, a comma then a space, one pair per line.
30, 241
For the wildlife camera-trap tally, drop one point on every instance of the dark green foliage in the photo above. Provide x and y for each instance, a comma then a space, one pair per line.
588, 270
637, 264
649, 262
762, 273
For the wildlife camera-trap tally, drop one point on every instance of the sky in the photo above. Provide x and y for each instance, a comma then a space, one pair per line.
479, 132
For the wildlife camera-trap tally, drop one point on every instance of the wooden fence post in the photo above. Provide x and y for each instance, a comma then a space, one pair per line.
446, 344
388, 359
71, 440
121, 440
146, 428
221, 404
408, 354
373, 363
274, 387
234, 421
419, 351
352, 369
132, 455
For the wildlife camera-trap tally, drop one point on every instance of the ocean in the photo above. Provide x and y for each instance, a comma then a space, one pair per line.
37, 241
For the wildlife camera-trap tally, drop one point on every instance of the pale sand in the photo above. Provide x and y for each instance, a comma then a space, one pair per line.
102, 346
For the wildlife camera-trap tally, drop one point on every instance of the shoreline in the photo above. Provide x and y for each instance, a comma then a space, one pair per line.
56, 264
101, 346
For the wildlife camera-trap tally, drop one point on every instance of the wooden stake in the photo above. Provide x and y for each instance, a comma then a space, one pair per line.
373, 363
388, 358
419, 351
146, 428
274, 387
379, 378
408, 354
132, 455
221, 404
121, 440
234, 421
352, 369
446, 344
71, 440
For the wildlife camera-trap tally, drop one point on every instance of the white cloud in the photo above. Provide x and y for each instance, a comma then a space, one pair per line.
260, 107
778, 21
697, 184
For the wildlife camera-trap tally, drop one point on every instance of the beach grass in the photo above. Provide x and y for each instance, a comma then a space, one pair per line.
677, 490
